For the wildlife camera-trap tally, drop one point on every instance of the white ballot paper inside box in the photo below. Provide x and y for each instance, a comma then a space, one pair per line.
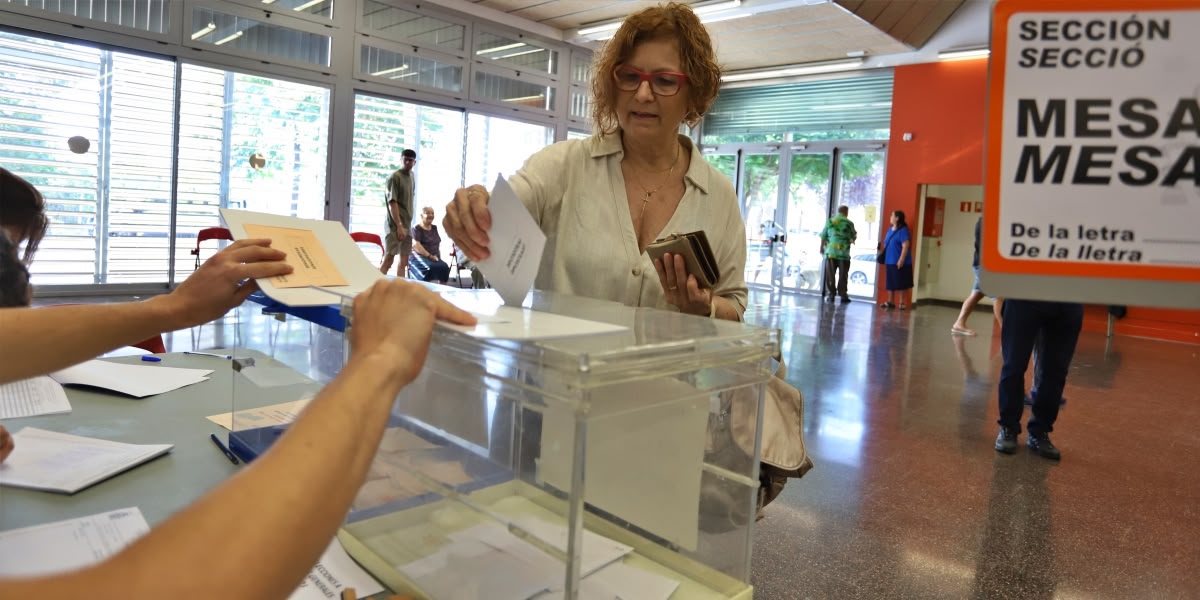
326, 261
516, 245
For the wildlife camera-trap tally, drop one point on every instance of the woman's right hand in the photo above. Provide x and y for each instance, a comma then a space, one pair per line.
468, 220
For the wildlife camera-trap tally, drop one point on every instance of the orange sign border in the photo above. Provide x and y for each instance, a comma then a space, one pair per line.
1002, 13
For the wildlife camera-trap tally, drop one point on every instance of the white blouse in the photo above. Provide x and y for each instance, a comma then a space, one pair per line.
576, 192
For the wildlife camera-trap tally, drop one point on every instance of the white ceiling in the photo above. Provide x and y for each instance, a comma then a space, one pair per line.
778, 32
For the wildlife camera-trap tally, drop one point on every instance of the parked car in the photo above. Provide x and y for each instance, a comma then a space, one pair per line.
863, 268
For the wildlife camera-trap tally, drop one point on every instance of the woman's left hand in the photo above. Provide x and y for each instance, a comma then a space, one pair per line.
681, 289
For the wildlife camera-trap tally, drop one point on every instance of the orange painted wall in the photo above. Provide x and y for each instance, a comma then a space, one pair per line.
943, 105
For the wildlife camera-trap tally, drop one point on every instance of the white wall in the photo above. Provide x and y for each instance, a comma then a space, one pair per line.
958, 241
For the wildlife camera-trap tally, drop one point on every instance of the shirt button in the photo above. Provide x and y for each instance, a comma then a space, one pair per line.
636, 272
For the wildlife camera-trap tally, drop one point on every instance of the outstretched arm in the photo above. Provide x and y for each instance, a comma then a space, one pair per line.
56, 337
272, 521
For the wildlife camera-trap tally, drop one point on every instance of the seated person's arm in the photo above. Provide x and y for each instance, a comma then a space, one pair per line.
260, 532
56, 337
419, 250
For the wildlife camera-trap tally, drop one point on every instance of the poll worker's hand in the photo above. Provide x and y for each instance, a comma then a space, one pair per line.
468, 220
393, 320
223, 282
681, 289
6, 444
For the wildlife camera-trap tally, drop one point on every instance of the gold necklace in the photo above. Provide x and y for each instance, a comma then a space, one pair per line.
647, 194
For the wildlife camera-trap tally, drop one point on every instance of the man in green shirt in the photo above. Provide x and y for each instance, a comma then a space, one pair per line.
399, 215
836, 239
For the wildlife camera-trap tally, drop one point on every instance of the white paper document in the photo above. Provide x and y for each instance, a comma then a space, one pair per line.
334, 572
620, 581
486, 562
518, 323
60, 462
133, 380
68, 545
32, 397
630, 422
335, 244
516, 244
498, 321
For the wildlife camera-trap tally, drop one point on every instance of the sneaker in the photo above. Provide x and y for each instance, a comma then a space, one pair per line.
1042, 446
1006, 442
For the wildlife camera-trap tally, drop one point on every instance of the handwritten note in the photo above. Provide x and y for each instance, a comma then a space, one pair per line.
310, 263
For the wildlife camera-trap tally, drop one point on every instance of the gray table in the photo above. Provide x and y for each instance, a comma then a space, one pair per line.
164, 485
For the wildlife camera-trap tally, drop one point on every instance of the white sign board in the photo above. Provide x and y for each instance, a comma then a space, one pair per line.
1093, 163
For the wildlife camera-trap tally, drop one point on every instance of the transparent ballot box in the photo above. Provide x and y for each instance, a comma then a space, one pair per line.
611, 453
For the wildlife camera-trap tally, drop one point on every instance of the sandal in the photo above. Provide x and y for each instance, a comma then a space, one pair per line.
887, 305
961, 331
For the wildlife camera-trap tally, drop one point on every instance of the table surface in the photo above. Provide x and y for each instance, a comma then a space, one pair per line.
162, 486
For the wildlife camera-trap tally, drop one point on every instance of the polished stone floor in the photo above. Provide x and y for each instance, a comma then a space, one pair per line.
908, 498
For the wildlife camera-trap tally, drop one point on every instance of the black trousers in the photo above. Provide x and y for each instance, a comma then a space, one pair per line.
1058, 324
837, 273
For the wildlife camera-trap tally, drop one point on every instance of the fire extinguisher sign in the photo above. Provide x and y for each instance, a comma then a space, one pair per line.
1093, 150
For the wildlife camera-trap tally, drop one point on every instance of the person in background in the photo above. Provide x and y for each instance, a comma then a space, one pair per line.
397, 240
22, 213
603, 199
14, 291
14, 275
329, 447
898, 259
427, 250
1053, 328
968, 305
836, 238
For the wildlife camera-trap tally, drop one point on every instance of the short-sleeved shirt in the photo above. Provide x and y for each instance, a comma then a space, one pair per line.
895, 239
431, 240
576, 192
400, 189
838, 235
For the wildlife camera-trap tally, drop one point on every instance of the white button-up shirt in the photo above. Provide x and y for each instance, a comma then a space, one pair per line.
576, 192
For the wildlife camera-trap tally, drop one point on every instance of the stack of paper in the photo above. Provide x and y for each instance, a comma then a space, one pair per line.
487, 561
58, 462
32, 397
77, 543
134, 380
68, 545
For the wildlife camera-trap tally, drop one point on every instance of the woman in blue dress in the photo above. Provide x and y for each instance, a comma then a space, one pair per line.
897, 247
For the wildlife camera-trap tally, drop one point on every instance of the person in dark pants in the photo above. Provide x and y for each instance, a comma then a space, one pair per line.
836, 239
1059, 324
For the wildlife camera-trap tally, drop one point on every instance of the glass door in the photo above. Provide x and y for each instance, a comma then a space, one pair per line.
807, 207
860, 187
765, 234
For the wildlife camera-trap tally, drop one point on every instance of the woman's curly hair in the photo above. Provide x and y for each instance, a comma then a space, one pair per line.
669, 21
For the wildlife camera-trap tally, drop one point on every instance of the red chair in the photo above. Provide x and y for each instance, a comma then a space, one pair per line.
212, 233
363, 237
153, 345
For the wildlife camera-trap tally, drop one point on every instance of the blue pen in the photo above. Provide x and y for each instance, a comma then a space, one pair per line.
224, 450
149, 358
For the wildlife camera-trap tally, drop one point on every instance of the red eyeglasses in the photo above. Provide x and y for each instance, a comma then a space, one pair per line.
662, 83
